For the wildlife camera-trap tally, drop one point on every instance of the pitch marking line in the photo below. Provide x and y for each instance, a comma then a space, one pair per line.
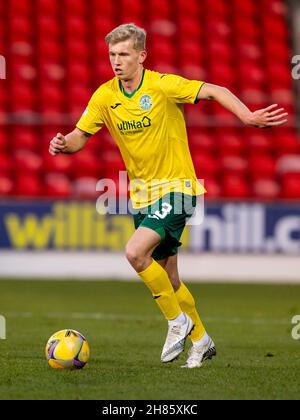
133, 318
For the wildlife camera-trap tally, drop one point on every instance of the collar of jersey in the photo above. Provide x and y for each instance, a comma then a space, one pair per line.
130, 95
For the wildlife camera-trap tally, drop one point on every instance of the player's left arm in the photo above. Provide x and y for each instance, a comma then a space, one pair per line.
262, 118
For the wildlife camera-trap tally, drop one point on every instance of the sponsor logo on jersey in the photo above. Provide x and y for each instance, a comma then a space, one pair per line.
134, 126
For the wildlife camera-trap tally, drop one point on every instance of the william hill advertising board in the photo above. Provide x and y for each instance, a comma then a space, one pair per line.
227, 228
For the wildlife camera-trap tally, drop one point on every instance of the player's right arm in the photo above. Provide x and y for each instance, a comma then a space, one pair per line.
71, 143
89, 124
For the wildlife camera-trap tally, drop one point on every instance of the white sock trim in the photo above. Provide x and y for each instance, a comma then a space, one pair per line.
202, 340
179, 320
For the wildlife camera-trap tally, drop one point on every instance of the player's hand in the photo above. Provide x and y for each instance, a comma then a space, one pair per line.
57, 145
272, 116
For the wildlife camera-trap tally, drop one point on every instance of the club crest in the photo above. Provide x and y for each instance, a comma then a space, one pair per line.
146, 102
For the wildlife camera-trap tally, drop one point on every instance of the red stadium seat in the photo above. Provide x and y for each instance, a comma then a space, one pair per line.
266, 189
85, 187
222, 74
79, 71
102, 8
162, 27
288, 164
86, 164
28, 162
58, 185
291, 186
77, 50
249, 50
4, 141
189, 29
76, 27
47, 8
279, 76
193, 72
75, 7
49, 25
245, 8
287, 143
233, 164
235, 186
188, 8
132, 11
159, 8
246, 29
52, 71
255, 97
52, 98
164, 67
6, 164
191, 52
230, 143
113, 164
6, 185
251, 74
163, 50
205, 165
213, 188
57, 56
78, 98
286, 98
262, 166
20, 7
25, 138
220, 51
283, 53
20, 28
216, 31
218, 8
49, 50
3, 99
103, 72
275, 27
25, 72
62, 164
259, 143
29, 185
201, 142
23, 97
102, 25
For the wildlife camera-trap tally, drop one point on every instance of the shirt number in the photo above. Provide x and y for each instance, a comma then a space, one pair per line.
165, 210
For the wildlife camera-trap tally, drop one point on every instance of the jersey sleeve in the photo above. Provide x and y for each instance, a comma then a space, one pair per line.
180, 90
91, 120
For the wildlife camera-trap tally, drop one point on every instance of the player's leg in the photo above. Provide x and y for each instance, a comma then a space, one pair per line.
138, 252
203, 347
184, 297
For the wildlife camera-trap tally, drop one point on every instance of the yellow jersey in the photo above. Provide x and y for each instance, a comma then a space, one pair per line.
150, 131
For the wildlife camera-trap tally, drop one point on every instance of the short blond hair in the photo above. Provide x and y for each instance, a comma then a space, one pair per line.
125, 32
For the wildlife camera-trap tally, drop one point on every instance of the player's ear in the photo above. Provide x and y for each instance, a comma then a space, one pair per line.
143, 56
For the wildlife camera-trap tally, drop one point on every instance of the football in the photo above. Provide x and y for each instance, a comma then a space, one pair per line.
67, 349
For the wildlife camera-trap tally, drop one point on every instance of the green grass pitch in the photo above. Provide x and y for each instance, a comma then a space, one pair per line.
251, 325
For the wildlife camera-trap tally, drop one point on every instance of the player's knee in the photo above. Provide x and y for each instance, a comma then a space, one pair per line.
134, 256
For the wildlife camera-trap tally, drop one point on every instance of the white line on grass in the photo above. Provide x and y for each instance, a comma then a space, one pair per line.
133, 318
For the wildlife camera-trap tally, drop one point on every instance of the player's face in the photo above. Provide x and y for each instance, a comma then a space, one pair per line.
125, 60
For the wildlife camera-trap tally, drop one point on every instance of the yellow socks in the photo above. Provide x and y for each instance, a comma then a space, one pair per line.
187, 304
157, 280
170, 303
